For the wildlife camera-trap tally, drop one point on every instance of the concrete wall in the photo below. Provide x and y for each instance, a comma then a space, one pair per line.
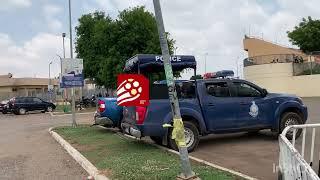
278, 78
5, 89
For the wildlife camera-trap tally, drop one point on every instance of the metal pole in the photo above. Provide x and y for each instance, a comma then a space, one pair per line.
185, 164
65, 91
73, 108
63, 46
49, 90
237, 63
205, 62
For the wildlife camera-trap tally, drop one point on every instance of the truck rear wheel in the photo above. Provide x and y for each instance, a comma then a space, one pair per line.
191, 134
290, 118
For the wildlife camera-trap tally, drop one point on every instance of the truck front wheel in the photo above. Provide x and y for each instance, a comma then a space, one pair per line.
290, 118
191, 135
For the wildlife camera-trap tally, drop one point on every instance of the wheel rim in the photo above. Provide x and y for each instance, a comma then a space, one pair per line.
22, 111
49, 109
189, 137
290, 121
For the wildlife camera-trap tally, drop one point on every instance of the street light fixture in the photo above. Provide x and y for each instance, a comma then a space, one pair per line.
64, 50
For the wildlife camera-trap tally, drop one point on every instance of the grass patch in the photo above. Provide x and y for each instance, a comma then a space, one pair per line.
66, 109
121, 158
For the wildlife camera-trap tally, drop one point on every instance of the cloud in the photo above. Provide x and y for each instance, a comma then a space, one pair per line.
50, 12
32, 57
10, 4
199, 27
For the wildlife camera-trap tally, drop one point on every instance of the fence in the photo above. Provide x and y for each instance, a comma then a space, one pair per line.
274, 58
59, 95
306, 68
291, 162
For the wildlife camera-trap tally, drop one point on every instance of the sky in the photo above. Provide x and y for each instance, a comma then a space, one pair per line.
30, 31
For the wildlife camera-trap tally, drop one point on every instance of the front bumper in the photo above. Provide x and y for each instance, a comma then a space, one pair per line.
131, 130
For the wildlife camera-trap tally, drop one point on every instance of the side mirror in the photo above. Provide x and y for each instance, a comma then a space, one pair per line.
264, 92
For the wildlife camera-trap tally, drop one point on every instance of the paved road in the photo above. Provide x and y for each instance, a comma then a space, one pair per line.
256, 156
27, 151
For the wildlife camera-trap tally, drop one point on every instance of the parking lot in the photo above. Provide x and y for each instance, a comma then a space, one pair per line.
28, 151
255, 156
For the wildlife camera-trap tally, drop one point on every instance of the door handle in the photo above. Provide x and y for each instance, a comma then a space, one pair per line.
243, 103
211, 104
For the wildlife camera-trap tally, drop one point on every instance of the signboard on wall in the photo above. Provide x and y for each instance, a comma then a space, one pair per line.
72, 73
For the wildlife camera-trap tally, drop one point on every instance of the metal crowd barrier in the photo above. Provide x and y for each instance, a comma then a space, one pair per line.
292, 164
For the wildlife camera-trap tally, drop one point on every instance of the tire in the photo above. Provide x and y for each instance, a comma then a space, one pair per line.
22, 111
190, 130
49, 109
156, 139
290, 118
4, 112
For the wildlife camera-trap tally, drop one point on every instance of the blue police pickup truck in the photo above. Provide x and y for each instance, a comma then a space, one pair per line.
213, 106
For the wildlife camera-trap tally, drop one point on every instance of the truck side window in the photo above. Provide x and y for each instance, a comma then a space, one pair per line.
159, 91
245, 90
185, 90
219, 89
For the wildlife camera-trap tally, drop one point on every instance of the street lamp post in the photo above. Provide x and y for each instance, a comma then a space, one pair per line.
205, 62
73, 108
64, 91
49, 87
64, 50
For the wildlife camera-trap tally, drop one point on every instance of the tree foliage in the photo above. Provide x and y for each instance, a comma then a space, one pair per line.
306, 35
105, 43
198, 76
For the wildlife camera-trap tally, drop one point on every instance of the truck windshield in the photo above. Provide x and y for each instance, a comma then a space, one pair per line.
185, 90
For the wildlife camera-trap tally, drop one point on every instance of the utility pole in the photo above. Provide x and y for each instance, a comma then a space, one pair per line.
205, 62
237, 64
63, 46
49, 87
178, 127
64, 91
73, 108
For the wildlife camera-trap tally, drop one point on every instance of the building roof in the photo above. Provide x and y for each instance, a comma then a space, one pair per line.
6, 81
260, 47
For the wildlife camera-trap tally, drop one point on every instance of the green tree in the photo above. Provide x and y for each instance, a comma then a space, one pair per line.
105, 43
198, 76
306, 35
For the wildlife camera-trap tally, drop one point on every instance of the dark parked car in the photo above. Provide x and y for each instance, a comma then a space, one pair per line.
22, 105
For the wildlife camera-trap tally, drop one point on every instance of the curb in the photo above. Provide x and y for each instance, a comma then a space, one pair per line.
61, 115
196, 159
76, 155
